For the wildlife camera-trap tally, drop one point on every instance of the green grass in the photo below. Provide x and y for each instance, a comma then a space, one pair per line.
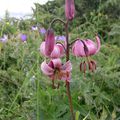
26, 94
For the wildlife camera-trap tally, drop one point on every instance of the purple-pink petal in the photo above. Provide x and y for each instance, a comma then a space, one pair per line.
56, 63
55, 53
91, 47
42, 48
78, 49
63, 71
69, 9
46, 69
49, 42
61, 48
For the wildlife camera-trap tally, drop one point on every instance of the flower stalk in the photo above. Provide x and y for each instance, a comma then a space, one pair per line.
67, 59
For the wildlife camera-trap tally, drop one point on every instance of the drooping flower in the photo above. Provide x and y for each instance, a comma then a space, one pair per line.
58, 50
83, 48
86, 48
49, 48
69, 9
23, 37
56, 70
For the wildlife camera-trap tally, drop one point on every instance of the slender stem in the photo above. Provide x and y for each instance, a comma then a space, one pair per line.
56, 20
53, 84
67, 41
70, 99
68, 83
74, 41
67, 59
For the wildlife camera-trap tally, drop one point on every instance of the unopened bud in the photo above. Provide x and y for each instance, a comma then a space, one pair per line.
69, 9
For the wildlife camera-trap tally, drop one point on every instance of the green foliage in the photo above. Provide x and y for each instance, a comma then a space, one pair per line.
26, 94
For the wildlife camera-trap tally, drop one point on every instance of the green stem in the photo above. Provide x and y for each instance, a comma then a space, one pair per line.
38, 111
70, 99
57, 20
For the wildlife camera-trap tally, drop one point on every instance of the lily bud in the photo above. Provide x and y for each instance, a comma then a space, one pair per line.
49, 42
69, 9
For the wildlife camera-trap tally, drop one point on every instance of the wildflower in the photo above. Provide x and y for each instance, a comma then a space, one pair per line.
83, 48
23, 37
42, 31
58, 50
69, 9
86, 48
60, 38
56, 70
4, 38
34, 28
49, 48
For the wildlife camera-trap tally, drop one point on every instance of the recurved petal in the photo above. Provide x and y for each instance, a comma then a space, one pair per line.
78, 49
98, 44
46, 69
56, 52
92, 47
56, 63
42, 48
62, 49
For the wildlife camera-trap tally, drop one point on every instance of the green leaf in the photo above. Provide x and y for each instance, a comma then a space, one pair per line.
104, 114
77, 115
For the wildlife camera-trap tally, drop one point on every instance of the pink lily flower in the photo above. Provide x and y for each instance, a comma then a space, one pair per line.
69, 9
49, 48
56, 70
58, 50
83, 48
